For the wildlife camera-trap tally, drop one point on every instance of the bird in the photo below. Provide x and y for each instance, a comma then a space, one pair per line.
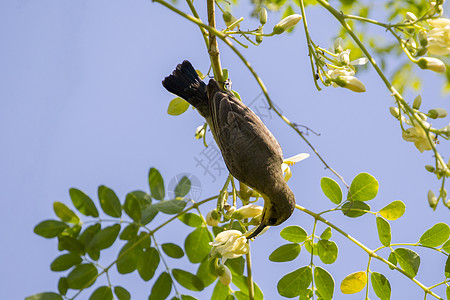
250, 151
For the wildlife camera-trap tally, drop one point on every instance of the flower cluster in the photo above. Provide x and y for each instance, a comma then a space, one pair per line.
229, 244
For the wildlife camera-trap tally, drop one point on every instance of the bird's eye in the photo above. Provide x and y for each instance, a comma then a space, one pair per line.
272, 221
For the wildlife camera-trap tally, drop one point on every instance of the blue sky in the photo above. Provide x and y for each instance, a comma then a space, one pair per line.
83, 105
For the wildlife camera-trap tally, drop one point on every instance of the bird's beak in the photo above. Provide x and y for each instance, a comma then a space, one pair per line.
257, 231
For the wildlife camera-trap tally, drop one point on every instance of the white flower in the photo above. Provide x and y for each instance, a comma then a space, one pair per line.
286, 23
248, 211
290, 162
212, 218
439, 36
431, 63
224, 274
229, 244
418, 136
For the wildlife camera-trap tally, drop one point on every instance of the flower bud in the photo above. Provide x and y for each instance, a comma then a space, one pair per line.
417, 102
432, 64
248, 211
344, 58
263, 16
259, 38
224, 274
350, 82
437, 113
394, 112
199, 132
422, 37
338, 45
286, 23
430, 168
212, 217
227, 17
410, 16
432, 200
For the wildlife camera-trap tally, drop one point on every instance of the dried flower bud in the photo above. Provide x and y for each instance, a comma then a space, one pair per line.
432, 64
286, 23
263, 16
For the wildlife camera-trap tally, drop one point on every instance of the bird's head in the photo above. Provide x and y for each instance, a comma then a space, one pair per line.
277, 209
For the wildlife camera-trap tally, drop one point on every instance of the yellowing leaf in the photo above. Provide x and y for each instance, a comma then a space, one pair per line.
354, 283
393, 210
177, 106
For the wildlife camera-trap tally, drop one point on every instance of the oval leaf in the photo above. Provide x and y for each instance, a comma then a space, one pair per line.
126, 260
65, 213
191, 219
206, 272
45, 296
331, 189
83, 203
326, 234
446, 246
393, 210
328, 251
447, 268
82, 276
109, 202
393, 260
381, 286
50, 228
65, 262
188, 280
384, 231
408, 260
172, 250
105, 237
324, 283
132, 207
102, 293
177, 106
121, 293
355, 209
162, 287
294, 234
436, 235
147, 263
183, 187
295, 283
156, 184
286, 252
364, 187
170, 207
197, 245
354, 283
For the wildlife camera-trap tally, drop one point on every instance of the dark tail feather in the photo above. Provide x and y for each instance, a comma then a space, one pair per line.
185, 83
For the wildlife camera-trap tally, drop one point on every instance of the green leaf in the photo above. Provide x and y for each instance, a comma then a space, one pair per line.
364, 187
355, 209
188, 280
129, 232
236, 94
121, 293
143, 198
447, 292
446, 246
183, 187
408, 260
177, 106
436, 235
147, 263
354, 283
392, 259
197, 245
70, 244
206, 271
156, 184
187, 297
328, 251
109, 202
294, 234
65, 213
447, 268
132, 207
63, 286
105, 237
148, 214
162, 287
65, 262
127, 262
294, 283
331, 189
286, 252
311, 247
102, 293
45, 296
242, 283
50, 228
172, 250
236, 265
191, 219
170, 207
393, 210
381, 286
326, 234
73, 231
83, 203
324, 283
384, 231
221, 291
82, 276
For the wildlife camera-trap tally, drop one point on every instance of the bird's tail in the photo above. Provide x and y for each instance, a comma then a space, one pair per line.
185, 83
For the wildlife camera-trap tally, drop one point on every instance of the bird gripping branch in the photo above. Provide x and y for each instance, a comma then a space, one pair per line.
251, 153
